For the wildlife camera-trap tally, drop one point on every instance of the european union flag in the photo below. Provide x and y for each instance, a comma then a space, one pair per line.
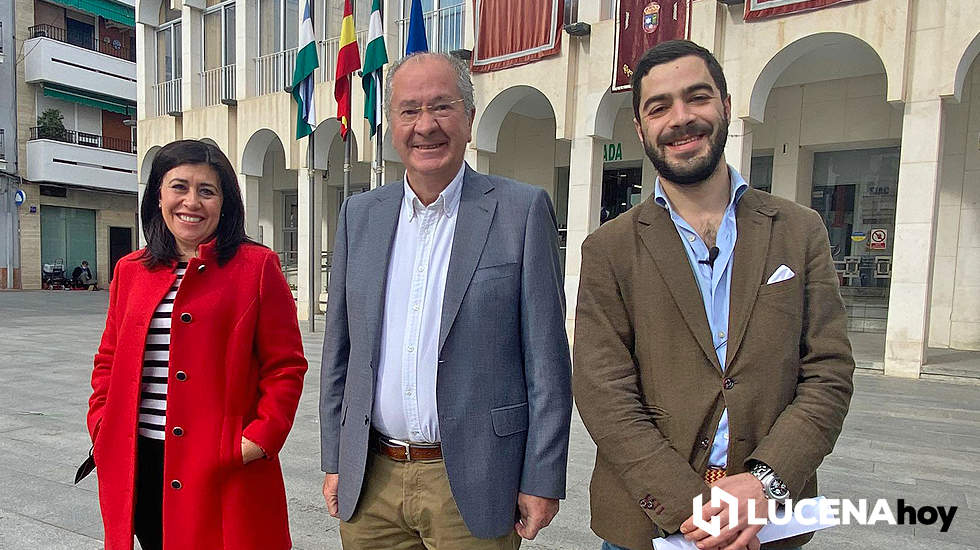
417, 42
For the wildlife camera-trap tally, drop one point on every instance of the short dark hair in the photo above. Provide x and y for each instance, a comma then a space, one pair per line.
666, 52
161, 248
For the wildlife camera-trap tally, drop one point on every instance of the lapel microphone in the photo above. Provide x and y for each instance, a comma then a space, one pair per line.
712, 256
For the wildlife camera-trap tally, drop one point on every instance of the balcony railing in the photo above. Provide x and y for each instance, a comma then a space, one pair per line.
443, 29
218, 85
274, 71
328, 50
167, 96
82, 138
83, 40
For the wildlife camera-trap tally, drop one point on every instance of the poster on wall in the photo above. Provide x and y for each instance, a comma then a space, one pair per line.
878, 239
643, 24
515, 32
763, 9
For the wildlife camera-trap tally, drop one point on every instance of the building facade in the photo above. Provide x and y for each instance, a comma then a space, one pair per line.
73, 68
9, 249
867, 111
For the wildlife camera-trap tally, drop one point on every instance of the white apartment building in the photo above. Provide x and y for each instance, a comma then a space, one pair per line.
75, 71
867, 111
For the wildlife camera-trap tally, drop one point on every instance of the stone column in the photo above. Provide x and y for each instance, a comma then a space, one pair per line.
738, 149
146, 73
914, 248
250, 196
478, 160
648, 178
584, 198
246, 47
191, 55
309, 228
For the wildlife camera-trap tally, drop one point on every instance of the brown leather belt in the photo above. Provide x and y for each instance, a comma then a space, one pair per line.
404, 451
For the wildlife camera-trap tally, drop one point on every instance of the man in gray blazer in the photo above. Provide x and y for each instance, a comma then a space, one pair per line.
445, 394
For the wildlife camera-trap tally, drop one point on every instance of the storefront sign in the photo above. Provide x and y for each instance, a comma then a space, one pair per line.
19, 197
878, 239
612, 151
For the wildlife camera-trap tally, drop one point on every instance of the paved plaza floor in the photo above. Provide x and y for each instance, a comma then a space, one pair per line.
917, 440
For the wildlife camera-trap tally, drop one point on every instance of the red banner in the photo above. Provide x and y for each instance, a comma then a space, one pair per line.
642, 25
762, 9
515, 32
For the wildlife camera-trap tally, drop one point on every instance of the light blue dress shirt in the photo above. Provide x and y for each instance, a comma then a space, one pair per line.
715, 284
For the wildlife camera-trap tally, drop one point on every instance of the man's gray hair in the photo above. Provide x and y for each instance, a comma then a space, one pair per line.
459, 67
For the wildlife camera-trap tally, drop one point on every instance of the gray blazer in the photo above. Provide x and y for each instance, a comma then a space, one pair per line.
503, 387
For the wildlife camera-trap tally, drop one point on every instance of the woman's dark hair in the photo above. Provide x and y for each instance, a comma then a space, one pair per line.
161, 248
665, 52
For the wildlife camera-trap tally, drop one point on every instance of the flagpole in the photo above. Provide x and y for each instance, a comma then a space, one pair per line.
379, 124
314, 297
347, 150
379, 137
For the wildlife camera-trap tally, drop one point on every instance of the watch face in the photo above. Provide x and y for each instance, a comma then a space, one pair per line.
778, 489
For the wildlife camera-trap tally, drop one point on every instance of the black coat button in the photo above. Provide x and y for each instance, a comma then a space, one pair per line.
201, 268
366, 420
181, 375
186, 317
178, 431
729, 383
705, 442
176, 484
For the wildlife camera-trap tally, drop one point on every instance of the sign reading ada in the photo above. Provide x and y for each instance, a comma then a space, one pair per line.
612, 151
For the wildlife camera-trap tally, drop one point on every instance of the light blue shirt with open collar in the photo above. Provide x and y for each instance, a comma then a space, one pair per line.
714, 283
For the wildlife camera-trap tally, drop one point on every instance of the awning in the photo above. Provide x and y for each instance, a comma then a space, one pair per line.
110, 10
90, 99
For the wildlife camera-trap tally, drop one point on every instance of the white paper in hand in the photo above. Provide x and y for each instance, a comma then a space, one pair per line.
770, 532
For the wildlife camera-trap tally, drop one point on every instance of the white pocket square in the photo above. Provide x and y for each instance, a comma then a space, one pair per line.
782, 273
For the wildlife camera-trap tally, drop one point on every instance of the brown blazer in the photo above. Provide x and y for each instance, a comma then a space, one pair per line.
647, 380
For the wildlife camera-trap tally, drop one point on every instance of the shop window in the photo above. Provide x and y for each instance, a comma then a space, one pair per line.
621, 190
855, 193
760, 175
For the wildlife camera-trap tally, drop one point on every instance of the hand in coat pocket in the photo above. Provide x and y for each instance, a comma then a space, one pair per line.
250, 451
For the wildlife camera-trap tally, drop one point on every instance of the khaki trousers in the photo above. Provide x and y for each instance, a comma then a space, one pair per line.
409, 506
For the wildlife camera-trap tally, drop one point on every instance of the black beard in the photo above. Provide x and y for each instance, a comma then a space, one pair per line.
694, 173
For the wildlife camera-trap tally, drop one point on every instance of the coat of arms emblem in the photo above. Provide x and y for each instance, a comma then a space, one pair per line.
651, 17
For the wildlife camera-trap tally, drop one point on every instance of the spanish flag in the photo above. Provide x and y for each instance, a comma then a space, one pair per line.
348, 61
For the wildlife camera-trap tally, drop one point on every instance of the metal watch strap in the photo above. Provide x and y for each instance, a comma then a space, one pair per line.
767, 476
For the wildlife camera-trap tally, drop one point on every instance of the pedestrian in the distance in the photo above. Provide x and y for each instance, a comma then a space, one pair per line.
199, 372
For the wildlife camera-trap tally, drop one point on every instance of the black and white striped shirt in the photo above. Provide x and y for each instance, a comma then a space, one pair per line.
156, 361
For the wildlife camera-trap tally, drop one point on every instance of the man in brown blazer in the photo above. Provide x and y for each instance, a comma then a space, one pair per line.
710, 341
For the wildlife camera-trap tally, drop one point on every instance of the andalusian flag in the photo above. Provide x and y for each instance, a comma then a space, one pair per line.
375, 58
306, 63
348, 61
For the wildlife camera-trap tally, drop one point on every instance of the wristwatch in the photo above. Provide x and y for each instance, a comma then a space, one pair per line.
772, 486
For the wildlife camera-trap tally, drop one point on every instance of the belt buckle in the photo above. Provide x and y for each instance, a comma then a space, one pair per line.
406, 445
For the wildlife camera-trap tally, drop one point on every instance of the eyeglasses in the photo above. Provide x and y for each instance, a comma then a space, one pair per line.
437, 110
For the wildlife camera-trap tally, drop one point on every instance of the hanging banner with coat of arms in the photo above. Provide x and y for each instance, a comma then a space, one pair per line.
762, 9
643, 24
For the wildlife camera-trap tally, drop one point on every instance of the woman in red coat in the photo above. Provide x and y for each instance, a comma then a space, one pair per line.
199, 372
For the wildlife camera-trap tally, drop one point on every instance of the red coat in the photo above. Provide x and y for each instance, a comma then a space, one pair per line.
236, 368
